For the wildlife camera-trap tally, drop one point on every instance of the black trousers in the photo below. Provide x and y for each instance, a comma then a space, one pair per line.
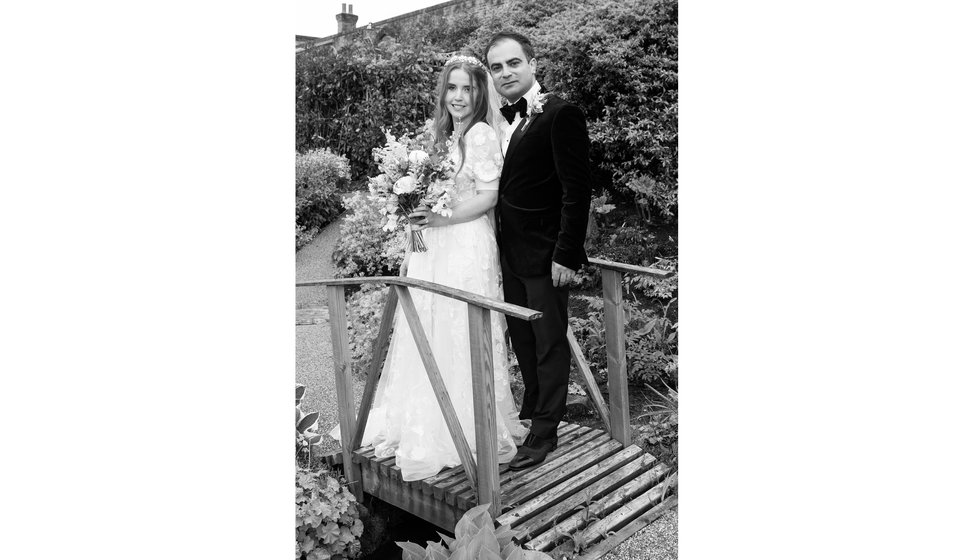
541, 348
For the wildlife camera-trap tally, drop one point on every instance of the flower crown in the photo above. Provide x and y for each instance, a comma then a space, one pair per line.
467, 59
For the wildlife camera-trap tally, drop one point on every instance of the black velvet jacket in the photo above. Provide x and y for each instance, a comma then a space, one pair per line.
545, 191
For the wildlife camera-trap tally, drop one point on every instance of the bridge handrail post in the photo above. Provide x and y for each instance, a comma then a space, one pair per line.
345, 388
484, 408
615, 321
619, 407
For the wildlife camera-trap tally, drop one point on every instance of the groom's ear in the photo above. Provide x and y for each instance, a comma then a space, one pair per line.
533, 63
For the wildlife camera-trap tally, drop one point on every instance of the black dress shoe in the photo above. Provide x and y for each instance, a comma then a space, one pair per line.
533, 452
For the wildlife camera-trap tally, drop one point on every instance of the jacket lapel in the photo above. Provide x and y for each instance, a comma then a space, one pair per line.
516, 138
522, 127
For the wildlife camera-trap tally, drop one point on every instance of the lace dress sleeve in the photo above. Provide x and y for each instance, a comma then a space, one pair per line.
483, 156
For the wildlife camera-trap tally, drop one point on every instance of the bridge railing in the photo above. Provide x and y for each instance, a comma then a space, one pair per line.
483, 474
615, 416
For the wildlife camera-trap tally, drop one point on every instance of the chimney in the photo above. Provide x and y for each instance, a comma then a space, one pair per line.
346, 20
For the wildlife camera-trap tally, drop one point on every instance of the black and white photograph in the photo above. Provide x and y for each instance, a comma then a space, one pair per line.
445, 243
486, 235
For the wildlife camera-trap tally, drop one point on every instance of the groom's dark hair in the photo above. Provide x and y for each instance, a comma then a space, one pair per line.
514, 36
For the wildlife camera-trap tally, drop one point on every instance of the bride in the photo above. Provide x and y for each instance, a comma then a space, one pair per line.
405, 420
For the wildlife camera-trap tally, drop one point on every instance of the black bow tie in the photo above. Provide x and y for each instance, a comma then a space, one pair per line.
510, 111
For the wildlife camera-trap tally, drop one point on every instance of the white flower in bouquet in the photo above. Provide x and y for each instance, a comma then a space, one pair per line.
405, 185
411, 177
417, 158
379, 184
399, 152
441, 206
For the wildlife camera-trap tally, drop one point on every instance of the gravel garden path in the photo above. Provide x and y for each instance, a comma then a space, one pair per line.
314, 368
314, 355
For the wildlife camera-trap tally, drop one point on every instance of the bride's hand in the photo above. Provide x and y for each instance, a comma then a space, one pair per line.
423, 218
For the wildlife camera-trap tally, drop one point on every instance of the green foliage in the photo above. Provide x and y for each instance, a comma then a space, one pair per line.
364, 249
658, 435
364, 309
320, 177
327, 517
651, 341
475, 538
306, 429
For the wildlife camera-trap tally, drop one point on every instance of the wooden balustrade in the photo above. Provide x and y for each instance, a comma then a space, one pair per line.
616, 416
483, 474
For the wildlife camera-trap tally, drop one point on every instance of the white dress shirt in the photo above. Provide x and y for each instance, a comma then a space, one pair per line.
509, 129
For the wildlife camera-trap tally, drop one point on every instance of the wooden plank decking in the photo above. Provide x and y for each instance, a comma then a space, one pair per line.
591, 487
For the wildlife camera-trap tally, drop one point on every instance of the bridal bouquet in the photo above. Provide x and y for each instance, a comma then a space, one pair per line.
413, 174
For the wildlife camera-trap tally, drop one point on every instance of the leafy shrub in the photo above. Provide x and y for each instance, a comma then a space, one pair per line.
364, 249
320, 176
649, 193
475, 538
345, 97
651, 286
364, 309
626, 243
617, 60
658, 435
651, 341
327, 517
306, 429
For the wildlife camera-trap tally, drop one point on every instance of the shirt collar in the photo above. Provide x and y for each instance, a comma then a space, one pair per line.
535, 88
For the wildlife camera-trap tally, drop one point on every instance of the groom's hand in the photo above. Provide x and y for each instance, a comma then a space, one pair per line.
561, 276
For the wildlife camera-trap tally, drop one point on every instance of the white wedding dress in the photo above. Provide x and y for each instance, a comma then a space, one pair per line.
406, 420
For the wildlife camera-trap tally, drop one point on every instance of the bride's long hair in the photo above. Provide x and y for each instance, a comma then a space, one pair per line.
442, 121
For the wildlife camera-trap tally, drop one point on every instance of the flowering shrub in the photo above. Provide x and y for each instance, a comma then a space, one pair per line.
364, 248
320, 176
327, 517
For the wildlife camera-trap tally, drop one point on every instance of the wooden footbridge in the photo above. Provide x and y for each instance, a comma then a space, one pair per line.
588, 496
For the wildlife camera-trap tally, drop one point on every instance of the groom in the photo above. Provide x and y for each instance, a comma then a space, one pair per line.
542, 212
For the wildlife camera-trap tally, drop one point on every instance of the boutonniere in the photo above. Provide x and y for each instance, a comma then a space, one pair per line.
535, 107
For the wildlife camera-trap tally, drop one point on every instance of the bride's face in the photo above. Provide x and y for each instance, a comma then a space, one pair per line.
459, 94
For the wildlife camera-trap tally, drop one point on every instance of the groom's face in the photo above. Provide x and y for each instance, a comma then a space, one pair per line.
513, 73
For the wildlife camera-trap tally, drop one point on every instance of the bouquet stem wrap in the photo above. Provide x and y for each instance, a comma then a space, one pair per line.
416, 243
